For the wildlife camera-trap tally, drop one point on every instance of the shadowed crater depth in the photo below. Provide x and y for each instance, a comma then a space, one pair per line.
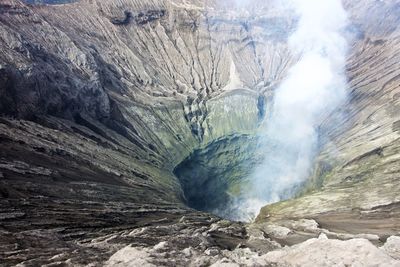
212, 176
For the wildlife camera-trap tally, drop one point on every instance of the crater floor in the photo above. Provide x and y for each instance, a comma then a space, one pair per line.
212, 177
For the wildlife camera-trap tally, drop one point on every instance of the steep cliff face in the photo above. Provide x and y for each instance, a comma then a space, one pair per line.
102, 100
355, 184
151, 82
107, 106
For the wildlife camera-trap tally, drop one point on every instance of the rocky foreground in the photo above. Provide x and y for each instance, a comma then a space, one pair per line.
101, 100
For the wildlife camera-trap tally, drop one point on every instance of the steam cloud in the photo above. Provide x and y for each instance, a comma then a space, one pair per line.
316, 85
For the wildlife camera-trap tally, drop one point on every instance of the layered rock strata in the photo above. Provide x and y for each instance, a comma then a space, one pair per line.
101, 101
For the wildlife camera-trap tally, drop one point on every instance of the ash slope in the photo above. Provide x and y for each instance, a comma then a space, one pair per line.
101, 100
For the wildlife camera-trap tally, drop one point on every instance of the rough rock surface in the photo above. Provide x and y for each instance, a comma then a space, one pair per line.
313, 252
356, 180
101, 100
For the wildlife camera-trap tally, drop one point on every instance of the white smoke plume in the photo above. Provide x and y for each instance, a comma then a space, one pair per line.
315, 85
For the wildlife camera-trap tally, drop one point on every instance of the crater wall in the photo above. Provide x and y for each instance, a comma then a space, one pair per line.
100, 101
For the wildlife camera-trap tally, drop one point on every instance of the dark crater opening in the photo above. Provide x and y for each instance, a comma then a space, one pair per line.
212, 176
